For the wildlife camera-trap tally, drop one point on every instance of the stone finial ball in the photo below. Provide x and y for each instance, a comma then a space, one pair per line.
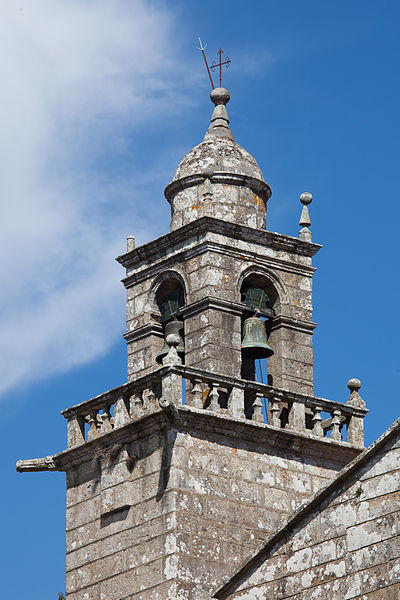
354, 384
220, 96
173, 339
306, 198
207, 173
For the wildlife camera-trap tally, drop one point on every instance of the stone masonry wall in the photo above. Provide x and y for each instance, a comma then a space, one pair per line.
113, 555
350, 549
183, 513
212, 267
230, 495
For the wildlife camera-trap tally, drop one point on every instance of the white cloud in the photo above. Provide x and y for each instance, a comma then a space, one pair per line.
78, 81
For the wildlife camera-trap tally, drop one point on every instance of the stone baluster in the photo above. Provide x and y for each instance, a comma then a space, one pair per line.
121, 412
106, 425
335, 424
257, 408
274, 411
151, 399
236, 402
92, 421
355, 427
75, 430
213, 396
297, 416
317, 422
172, 382
136, 404
196, 394
171, 389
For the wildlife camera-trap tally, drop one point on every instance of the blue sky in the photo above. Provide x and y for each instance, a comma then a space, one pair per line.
99, 102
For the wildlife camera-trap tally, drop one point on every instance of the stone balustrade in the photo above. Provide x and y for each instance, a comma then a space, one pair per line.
200, 390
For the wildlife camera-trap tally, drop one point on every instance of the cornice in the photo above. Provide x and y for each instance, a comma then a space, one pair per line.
234, 308
291, 323
261, 188
152, 328
165, 262
197, 230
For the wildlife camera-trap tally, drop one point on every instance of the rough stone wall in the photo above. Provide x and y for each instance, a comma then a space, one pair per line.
212, 340
351, 549
237, 204
230, 496
127, 551
184, 513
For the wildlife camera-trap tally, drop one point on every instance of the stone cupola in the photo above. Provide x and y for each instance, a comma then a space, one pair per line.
218, 178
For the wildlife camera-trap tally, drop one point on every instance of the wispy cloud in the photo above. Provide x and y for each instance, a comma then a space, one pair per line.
79, 80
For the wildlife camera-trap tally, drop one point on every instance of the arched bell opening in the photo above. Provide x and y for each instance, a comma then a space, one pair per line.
258, 297
170, 298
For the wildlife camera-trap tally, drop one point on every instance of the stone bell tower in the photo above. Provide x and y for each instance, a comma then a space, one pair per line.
217, 248
176, 476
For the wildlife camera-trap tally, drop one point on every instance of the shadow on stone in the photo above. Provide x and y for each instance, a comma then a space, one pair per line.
169, 442
114, 517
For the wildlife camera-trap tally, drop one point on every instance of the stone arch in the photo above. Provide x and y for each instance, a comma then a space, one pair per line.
161, 280
256, 273
280, 305
168, 295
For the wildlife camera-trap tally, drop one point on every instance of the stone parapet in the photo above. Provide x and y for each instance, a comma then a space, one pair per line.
228, 397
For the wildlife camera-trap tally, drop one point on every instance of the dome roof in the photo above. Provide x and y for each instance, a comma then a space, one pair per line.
218, 152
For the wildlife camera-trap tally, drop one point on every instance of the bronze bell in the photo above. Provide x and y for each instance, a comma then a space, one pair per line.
254, 342
172, 327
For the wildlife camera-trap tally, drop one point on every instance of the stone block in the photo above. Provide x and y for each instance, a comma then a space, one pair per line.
93, 573
374, 578
83, 513
337, 520
117, 497
146, 552
373, 531
132, 581
324, 552
92, 593
372, 508
83, 556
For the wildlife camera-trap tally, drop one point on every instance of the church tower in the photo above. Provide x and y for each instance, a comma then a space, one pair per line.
174, 478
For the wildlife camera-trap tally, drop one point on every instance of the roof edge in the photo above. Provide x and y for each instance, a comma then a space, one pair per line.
259, 556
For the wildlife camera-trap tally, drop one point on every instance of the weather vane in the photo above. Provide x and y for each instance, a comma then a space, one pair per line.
214, 65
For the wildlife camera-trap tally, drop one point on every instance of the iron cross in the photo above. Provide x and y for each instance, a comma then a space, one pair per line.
220, 64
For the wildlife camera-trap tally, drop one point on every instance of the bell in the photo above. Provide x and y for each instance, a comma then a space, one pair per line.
172, 327
254, 342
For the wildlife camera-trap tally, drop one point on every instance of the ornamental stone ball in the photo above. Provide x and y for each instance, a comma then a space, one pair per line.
173, 339
305, 221
354, 384
306, 198
220, 96
207, 173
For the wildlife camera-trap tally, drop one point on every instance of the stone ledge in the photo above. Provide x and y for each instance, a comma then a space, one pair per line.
192, 420
261, 188
161, 261
198, 228
152, 328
